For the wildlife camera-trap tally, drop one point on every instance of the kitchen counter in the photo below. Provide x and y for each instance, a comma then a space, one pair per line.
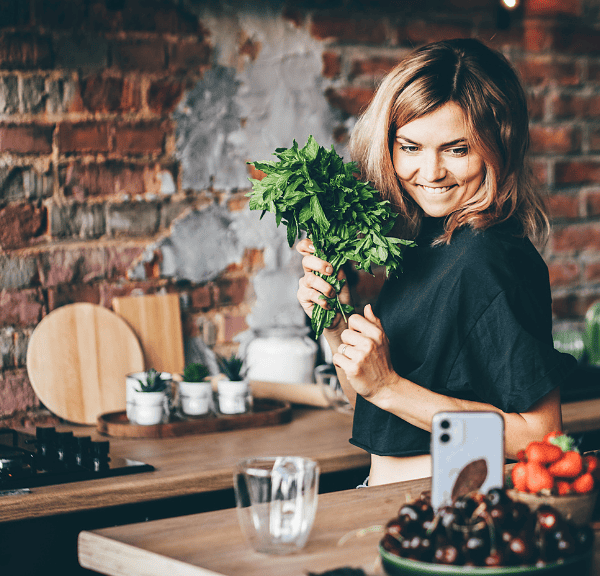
193, 464
212, 543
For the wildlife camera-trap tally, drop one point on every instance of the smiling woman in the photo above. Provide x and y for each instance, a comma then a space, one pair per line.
467, 325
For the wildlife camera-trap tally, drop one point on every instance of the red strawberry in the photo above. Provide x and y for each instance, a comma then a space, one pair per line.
548, 437
569, 466
563, 487
590, 463
519, 476
538, 478
583, 483
543, 452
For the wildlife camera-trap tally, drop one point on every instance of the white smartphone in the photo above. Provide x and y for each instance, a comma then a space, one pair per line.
467, 453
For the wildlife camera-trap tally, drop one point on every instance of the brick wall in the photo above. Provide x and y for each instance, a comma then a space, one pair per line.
95, 168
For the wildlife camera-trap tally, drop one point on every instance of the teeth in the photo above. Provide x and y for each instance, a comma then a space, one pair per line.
440, 190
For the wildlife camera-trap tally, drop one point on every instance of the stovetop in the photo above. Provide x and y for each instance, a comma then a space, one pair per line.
51, 457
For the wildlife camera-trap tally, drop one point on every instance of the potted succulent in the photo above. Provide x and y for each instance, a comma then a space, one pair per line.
232, 387
195, 392
148, 397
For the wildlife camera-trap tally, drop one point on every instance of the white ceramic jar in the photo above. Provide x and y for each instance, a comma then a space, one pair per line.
195, 398
283, 354
234, 396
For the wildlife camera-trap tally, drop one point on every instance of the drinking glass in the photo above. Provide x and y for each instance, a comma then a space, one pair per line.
329, 383
276, 500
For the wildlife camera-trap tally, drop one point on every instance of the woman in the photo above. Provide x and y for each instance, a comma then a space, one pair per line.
467, 325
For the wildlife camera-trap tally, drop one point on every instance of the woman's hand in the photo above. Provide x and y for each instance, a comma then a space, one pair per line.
311, 286
364, 354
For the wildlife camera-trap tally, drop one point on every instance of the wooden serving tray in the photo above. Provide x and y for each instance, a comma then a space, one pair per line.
265, 412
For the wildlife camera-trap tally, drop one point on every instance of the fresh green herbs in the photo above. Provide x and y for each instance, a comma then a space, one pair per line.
232, 367
311, 189
195, 372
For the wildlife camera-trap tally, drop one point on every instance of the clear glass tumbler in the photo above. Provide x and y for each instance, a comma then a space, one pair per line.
327, 380
276, 501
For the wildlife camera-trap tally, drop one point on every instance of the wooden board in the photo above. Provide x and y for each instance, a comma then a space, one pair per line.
77, 359
156, 320
265, 413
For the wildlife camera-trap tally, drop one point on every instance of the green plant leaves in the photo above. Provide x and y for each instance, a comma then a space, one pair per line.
312, 190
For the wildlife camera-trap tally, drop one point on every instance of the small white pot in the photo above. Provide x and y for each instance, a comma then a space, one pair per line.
148, 408
234, 396
132, 385
195, 398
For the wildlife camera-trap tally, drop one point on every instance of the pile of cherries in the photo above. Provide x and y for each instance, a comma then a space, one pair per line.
484, 530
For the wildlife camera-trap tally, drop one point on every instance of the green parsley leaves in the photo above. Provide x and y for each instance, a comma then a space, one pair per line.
311, 189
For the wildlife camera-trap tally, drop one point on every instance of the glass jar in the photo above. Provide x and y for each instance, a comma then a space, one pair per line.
282, 354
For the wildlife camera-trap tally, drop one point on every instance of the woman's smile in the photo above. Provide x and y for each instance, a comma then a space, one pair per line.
435, 162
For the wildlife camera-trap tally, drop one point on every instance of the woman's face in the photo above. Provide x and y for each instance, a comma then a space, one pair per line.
435, 163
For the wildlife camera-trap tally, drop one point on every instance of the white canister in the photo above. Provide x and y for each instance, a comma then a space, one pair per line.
234, 396
195, 398
285, 354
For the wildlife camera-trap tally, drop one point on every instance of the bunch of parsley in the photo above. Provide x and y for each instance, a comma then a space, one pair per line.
311, 189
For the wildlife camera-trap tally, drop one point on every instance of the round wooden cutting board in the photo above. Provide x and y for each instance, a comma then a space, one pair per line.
77, 359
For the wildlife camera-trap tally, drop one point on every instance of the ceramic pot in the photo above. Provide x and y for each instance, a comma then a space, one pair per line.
149, 408
195, 398
234, 396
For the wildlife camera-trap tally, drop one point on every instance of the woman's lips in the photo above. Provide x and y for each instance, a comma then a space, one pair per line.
436, 189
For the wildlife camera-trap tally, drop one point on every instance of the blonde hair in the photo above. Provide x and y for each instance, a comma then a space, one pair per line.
485, 86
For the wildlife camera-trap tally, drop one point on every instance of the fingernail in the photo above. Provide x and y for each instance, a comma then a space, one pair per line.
328, 270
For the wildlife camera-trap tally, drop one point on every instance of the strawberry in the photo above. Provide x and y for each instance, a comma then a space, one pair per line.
583, 483
538, 478
569, 466
590, 464
543, 452
563, 487
519, 476
564, 441
548, 437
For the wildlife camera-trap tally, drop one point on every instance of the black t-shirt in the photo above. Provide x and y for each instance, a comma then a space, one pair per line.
471, 319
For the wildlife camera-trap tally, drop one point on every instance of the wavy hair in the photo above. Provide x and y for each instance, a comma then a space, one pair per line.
485, 86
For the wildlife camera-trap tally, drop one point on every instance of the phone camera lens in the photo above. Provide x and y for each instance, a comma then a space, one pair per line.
445, 424
445, 438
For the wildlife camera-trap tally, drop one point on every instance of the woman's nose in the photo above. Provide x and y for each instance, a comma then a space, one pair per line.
432, 168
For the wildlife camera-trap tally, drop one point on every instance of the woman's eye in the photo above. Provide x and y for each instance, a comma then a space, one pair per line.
459, 151
409, 148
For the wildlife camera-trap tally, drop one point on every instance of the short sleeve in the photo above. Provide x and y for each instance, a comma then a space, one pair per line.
504, 364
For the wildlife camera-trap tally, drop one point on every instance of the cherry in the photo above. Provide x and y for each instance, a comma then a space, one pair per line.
547, 517
475, 550
447, 554
495, 558
520, 550
496, 496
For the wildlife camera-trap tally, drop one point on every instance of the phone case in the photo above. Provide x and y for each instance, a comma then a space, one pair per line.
467, 452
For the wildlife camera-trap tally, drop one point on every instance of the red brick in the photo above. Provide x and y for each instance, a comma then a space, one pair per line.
348, 29
577, 172
563, 273
376, 67
143, 138
419, 32
594, 140
572, 305
575, 106
332, 65
190, 56
540, 171
83, 137
350, 100
26, 138
70, 293
25, 50
201, 297
594, 72
293, 15
71, 265
563, 206
592, 271
253, 259
552, 7
538, 35
120, 258
23, 308
231, 326
164, 95
100, 93
544, 72
576, 238
230, 291
145, 55
592, 203
16, 393
20, 224
109, 178
108, 291
536, 104
561, 139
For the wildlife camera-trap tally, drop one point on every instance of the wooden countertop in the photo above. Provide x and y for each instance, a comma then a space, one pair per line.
193, 464
212, 544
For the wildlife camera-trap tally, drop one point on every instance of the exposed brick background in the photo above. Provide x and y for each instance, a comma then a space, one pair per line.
91, 161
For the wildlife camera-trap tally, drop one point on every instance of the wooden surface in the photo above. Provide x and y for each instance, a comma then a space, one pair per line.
156, 320
583, 416
212, 543
77, 359
307, 394
266, 412
193, 464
